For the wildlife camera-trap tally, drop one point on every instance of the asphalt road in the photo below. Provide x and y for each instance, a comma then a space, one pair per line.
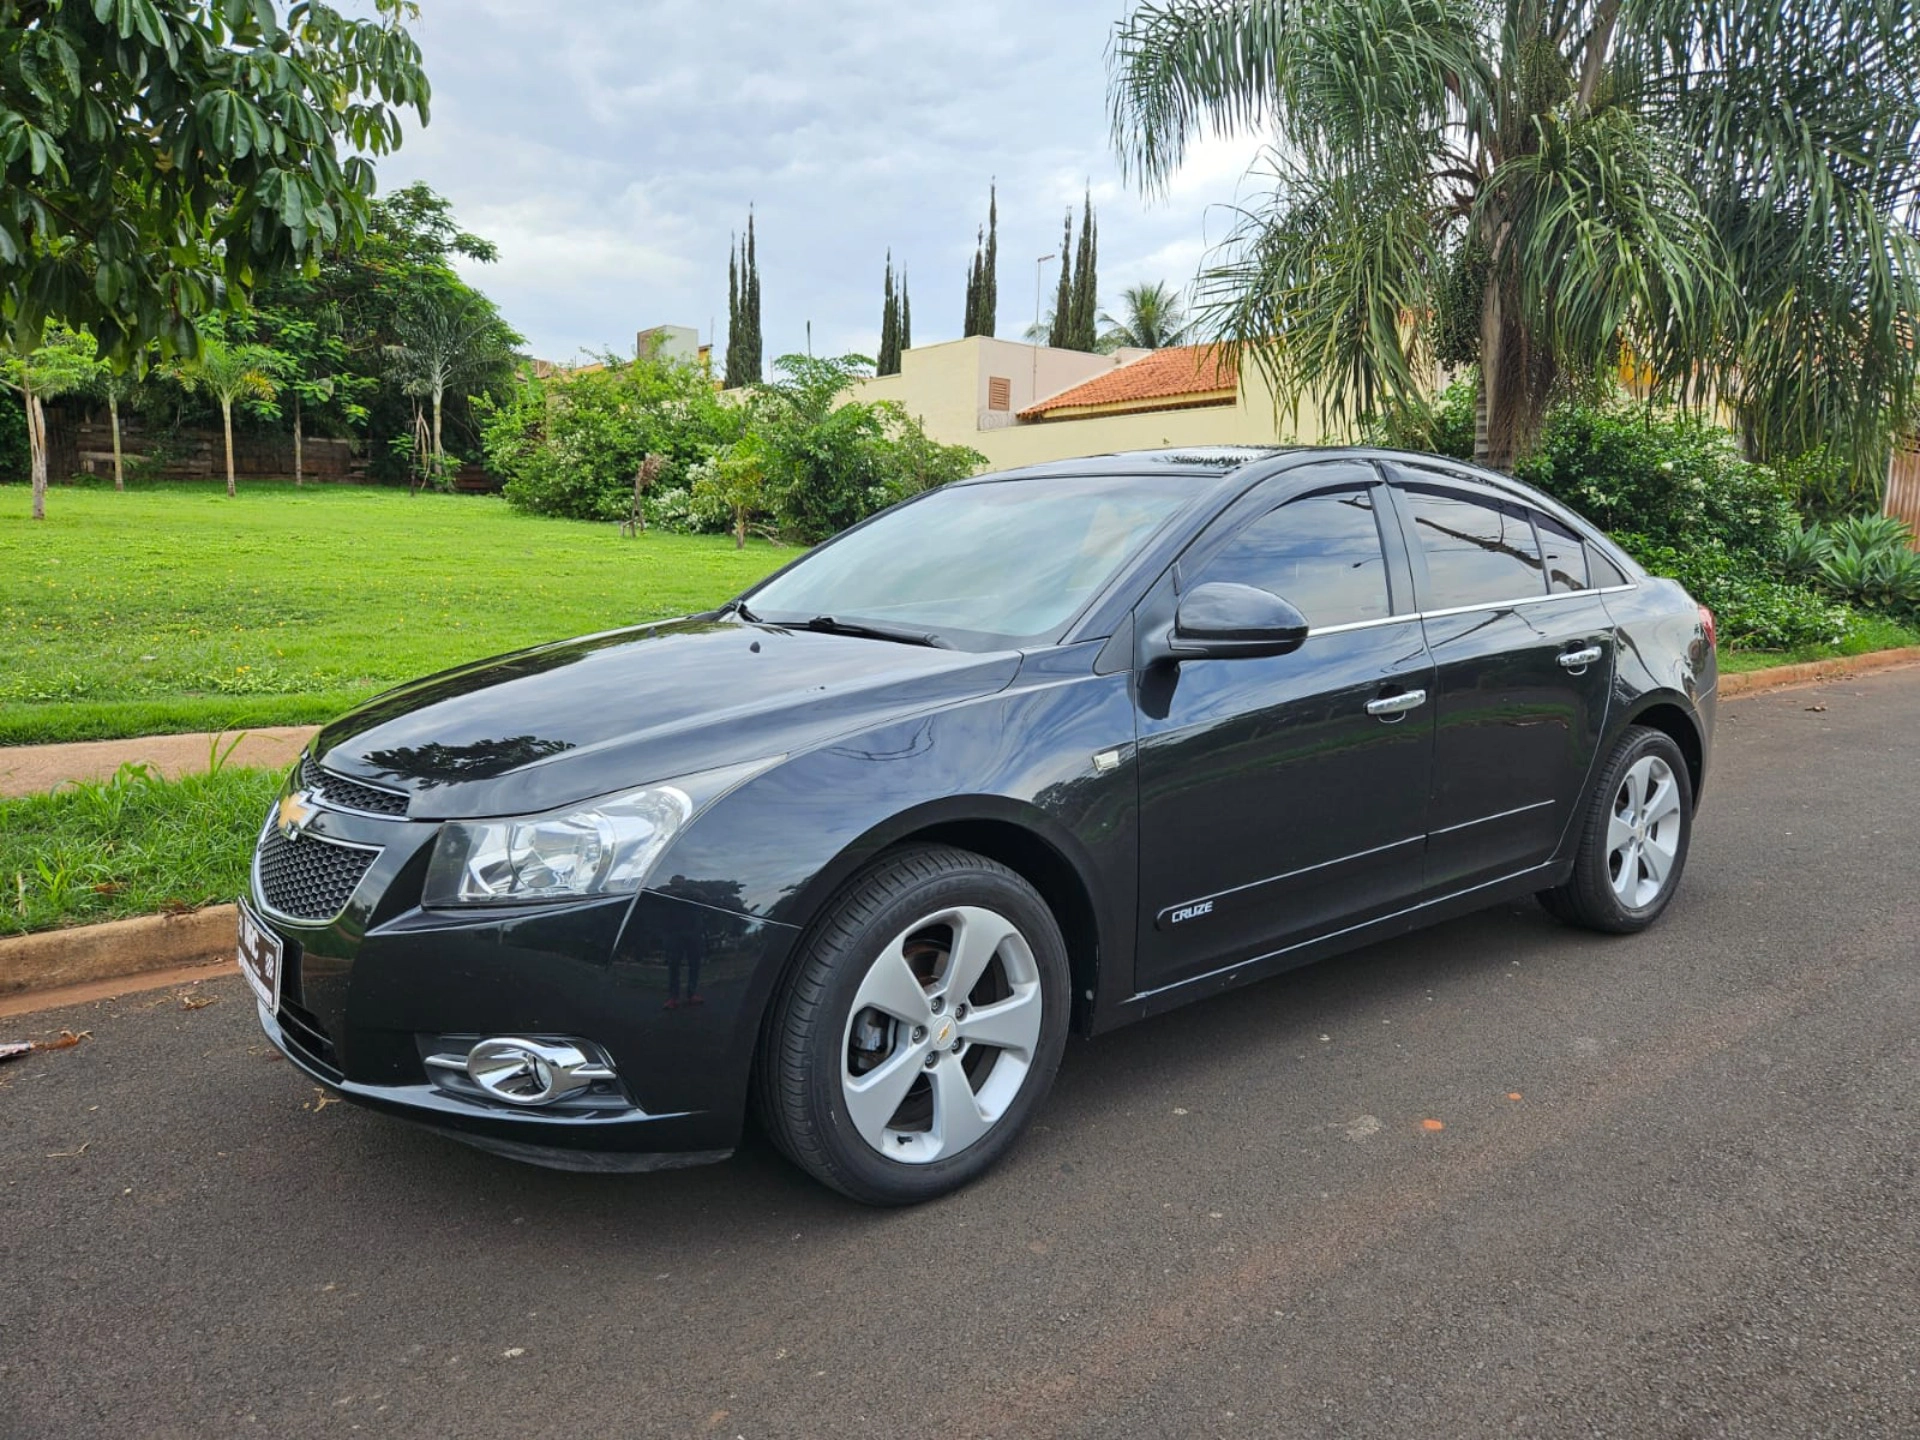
1675, 1194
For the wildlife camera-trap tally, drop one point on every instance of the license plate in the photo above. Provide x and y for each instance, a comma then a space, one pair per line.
260, 951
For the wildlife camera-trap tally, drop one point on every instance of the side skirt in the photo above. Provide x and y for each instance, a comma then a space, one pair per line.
1305, 952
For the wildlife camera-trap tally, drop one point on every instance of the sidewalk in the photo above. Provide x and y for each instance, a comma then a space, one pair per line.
30, 769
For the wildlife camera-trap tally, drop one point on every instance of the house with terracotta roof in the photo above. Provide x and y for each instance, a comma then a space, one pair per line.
1021, 404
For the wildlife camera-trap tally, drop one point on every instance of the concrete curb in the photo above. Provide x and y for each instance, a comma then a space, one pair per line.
33, 769
54, 959
1813, 672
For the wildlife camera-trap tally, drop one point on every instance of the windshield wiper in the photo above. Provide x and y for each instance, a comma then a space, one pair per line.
739, 607
871, 630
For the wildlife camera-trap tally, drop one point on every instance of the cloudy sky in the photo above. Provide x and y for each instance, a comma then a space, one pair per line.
609, 147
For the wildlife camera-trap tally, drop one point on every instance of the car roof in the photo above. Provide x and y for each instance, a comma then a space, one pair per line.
1208, 460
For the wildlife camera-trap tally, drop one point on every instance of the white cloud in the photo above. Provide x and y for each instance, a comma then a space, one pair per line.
610, 149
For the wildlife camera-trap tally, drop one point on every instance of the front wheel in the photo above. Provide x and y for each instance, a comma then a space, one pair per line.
921, 1029
1633, 838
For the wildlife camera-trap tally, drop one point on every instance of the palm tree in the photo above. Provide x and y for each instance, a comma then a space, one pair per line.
1155, 319
444, 341
1721, 189
232, 373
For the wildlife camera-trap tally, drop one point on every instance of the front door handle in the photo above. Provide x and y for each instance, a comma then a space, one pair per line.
1580, 659
1397, 704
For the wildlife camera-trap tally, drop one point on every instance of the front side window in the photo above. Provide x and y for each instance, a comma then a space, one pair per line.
1320, 553
1477, 552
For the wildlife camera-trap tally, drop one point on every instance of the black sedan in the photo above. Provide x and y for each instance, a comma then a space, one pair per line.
1056, 748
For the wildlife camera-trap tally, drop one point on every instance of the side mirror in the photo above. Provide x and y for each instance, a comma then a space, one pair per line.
1222, 621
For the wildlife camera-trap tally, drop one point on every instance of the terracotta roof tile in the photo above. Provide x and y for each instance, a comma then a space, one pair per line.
1168, 374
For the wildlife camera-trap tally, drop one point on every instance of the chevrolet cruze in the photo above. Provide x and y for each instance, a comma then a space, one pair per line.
1052, 749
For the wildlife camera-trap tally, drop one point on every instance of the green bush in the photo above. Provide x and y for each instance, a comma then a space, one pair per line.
1754, 609
571, 446
14, 459
1869, 561
1445, 427
1668, 477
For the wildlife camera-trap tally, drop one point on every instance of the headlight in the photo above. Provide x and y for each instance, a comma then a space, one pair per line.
602, 847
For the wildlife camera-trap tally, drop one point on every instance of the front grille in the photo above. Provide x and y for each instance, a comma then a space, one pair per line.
308, 878
334, 789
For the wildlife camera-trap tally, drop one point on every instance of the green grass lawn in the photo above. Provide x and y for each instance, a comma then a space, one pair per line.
132, 845
1867, 634
170, 607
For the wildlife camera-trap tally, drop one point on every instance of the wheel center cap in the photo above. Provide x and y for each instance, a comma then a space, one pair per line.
943, 1032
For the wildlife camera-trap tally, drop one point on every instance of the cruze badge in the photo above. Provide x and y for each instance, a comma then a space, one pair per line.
1189, 912
293, 815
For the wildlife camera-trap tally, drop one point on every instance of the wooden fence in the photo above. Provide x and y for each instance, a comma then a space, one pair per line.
1903, 484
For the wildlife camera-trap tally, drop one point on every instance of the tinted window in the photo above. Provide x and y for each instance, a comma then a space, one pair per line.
1322, 553
1603, 570
1477, 552
1566, 556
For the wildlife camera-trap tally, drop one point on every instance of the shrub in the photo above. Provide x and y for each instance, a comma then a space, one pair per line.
1445, 427
1668, 477
1754, 609
1870, 561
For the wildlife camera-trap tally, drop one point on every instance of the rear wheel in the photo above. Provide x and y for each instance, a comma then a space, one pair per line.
920, 1031
1633, 838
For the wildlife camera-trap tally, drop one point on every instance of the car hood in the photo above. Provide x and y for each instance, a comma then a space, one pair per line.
559, 723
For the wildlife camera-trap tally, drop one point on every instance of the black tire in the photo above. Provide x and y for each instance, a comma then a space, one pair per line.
804, 1056
1589, 898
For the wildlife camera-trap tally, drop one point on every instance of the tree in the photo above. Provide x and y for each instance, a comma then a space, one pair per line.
1154, 319
1717, 188
889, 361
65, 363
232, 373
444, 342
1061, 326
983, 284
743, 313
735, 479
116, 387
160, 157
906, 315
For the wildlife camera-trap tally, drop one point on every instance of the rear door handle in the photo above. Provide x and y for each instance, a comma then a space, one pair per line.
1397, 704
1580, 659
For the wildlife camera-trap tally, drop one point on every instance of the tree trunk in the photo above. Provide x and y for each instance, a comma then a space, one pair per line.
226, 418
739, 529
1516, 382
299, 474
439, 455
36, 446
113, 414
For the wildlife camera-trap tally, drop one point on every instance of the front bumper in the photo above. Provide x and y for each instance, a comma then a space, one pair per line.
365, 996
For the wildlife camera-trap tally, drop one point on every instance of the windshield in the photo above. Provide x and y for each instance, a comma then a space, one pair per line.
1001, 562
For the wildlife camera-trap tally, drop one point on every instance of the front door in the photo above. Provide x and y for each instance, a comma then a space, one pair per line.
1274, 806
1523, 650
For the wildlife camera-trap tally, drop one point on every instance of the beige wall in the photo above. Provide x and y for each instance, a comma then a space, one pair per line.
945, 386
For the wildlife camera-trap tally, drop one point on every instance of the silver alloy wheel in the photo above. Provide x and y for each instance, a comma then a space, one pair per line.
1643, 832
941, 1034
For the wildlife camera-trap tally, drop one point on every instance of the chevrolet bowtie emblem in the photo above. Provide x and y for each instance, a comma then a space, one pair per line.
293, 815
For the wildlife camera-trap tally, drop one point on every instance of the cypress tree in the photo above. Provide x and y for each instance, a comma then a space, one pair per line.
906, 318
1061, 336
989, 302
1086, 298
734, 338
751, 304
888, 362
977, 287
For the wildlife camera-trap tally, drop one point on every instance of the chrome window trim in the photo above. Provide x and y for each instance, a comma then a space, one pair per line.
1468, 609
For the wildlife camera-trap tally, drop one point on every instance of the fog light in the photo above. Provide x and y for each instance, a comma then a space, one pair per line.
528, 1072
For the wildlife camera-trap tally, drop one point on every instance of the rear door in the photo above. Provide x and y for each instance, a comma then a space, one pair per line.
1523, 652
1273, 806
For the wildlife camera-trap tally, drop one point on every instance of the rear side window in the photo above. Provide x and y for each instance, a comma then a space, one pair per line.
1565, 555
1603, 570
1322, 553
1477, 552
